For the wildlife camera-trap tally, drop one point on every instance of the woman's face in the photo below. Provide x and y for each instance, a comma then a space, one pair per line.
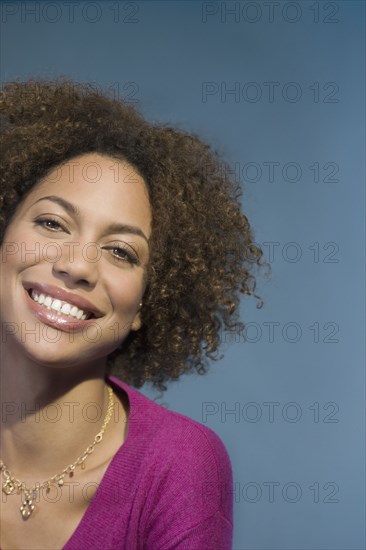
82, 252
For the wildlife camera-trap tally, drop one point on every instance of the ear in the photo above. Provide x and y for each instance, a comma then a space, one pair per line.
136, 323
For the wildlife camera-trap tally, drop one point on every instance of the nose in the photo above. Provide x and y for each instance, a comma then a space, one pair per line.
78, 263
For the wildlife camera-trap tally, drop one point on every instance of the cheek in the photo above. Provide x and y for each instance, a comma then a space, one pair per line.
125, 292
11, 256
18, 249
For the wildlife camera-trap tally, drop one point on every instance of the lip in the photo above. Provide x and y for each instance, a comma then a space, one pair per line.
56, 320
51, 318
63, 295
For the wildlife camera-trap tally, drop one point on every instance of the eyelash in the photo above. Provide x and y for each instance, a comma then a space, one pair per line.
131, 258
42, 221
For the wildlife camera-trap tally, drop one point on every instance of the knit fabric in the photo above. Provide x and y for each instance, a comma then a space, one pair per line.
169, 486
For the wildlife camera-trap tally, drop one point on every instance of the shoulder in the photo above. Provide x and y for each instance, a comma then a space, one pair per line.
181, 453
173, 431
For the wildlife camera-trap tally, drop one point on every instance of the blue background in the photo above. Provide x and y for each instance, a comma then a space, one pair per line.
289, 402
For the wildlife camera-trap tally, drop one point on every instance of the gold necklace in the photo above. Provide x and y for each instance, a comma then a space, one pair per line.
12, 485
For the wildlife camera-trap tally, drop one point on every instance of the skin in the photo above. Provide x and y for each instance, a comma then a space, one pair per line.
55, 370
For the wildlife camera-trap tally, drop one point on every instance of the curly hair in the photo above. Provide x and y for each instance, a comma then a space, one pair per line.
202, 252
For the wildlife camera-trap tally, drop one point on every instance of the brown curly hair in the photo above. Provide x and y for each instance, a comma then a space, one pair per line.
202, 248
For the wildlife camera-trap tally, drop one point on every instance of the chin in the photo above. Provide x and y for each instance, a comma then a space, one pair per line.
50, 356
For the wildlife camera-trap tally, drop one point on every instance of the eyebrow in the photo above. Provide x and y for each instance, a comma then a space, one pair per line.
112, 228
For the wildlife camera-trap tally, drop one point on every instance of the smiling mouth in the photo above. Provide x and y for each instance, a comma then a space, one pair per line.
60, 307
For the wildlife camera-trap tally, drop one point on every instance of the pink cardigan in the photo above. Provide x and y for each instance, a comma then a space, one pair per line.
169, 486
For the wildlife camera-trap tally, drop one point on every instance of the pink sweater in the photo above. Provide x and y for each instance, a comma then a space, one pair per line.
169, 486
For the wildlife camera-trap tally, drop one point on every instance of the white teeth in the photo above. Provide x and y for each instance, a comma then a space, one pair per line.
47, 301
66, 308
61, 307
56, 305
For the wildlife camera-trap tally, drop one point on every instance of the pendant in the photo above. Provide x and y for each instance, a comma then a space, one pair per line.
8, 487
27, 507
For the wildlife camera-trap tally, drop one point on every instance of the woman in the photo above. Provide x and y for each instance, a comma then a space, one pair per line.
123, 253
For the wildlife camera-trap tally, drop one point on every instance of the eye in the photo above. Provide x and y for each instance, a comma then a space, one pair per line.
123, 254
50, 223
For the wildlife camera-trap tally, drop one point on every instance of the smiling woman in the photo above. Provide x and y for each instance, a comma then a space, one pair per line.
66, 238
106, 220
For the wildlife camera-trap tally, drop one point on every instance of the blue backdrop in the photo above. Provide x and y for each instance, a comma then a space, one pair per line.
278, 87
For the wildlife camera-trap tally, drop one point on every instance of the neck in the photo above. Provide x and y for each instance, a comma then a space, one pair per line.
49, 415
